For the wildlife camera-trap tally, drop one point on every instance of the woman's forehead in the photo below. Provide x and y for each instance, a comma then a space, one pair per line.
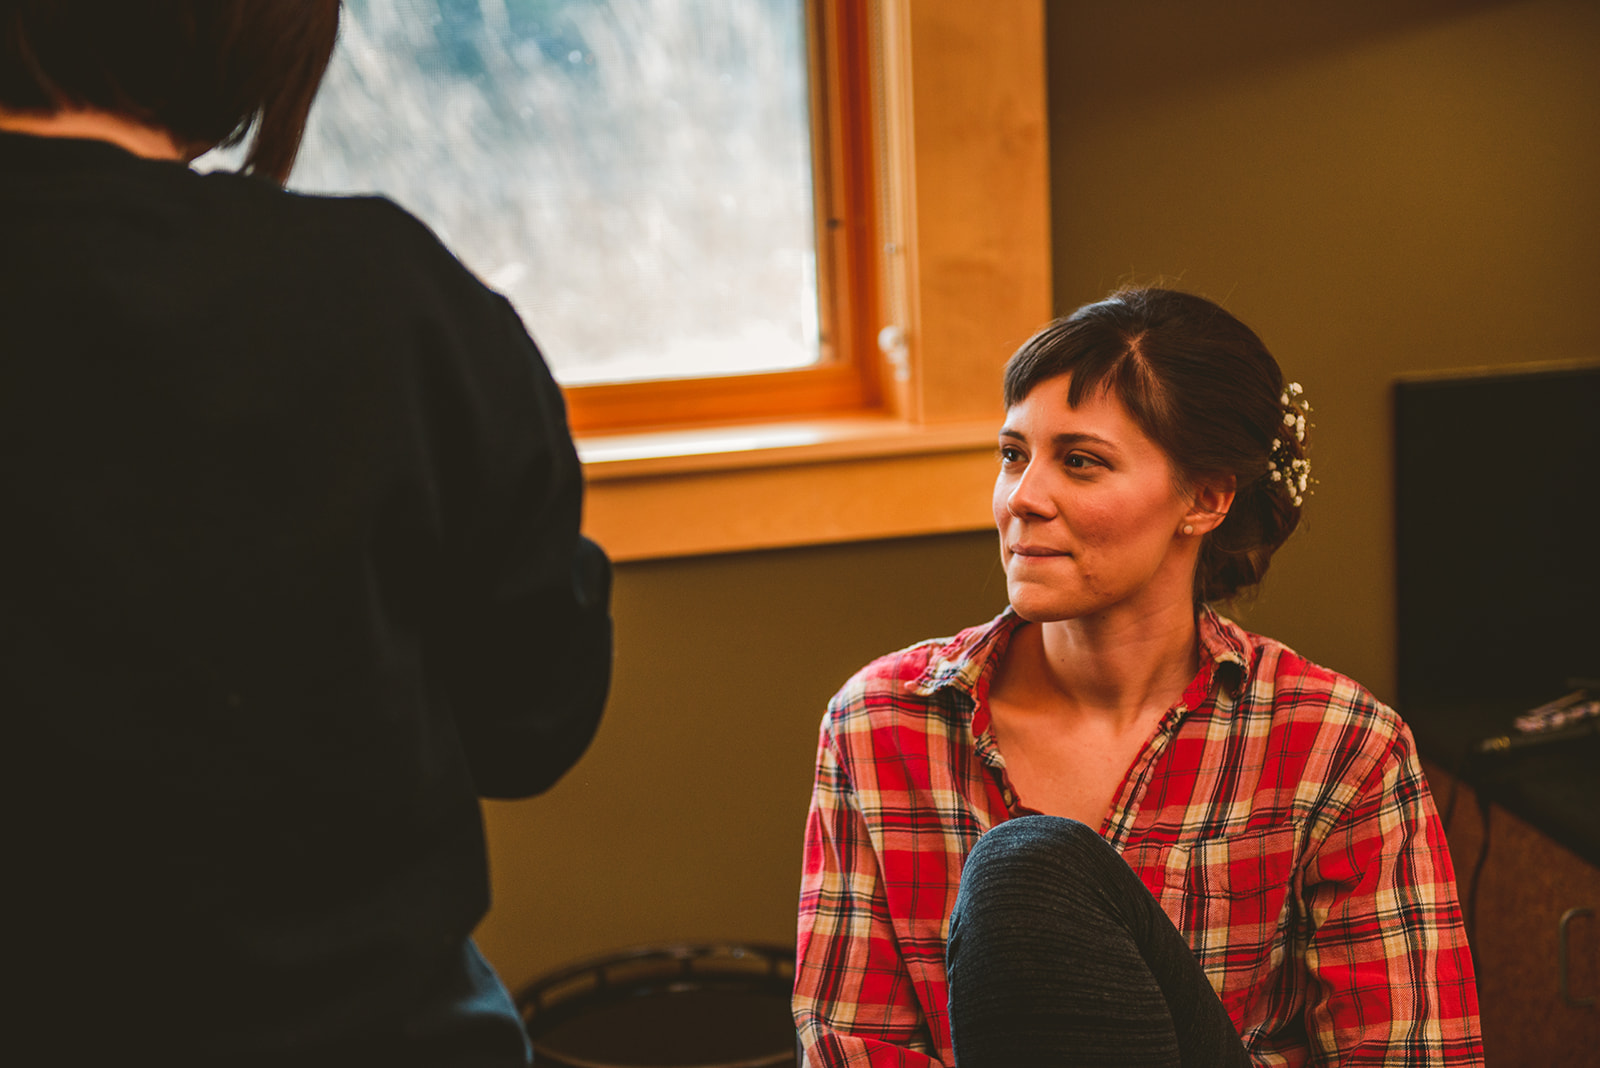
1046, 412
1052, 398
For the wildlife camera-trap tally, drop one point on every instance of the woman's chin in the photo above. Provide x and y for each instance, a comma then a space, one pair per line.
1042, 605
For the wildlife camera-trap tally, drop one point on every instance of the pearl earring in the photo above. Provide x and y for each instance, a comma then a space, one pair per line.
1188, 528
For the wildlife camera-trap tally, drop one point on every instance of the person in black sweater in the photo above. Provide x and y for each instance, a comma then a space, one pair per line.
290, 571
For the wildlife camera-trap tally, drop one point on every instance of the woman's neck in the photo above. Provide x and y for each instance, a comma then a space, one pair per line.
151, 142
1120, 668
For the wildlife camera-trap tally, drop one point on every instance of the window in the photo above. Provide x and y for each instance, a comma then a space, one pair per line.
961, 185
650, 182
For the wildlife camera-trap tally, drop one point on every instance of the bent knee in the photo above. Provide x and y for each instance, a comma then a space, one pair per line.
1033, 842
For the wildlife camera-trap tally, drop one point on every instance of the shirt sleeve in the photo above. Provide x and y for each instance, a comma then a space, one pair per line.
854, 1001
527, 636
1390, 976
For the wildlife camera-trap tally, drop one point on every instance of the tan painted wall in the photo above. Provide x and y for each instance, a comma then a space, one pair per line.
1377, 187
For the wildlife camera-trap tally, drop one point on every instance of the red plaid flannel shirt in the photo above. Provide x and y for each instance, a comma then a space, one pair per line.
1279, 815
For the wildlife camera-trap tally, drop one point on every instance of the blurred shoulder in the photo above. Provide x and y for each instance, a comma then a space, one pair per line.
369, 231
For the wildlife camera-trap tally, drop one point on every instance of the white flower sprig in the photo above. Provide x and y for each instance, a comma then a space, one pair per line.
1291, 400
1293, 471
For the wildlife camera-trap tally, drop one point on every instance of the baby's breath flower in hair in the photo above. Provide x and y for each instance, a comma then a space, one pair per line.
1282, 465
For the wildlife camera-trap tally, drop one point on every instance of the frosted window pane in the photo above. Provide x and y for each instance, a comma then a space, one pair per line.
635, 175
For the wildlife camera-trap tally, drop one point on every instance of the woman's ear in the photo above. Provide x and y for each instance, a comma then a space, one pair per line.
1209, 506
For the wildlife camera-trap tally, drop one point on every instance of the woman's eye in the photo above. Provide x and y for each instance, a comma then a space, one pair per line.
1010, 454
1078, 461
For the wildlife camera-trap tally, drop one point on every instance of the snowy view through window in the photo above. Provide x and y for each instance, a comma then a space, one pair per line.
635, 175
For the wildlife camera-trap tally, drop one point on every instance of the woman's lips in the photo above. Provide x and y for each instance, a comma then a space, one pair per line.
1037, 550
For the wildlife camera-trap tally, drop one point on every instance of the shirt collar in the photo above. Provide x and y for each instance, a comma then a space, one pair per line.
965, 661
51, 157
37, 149
1225, 645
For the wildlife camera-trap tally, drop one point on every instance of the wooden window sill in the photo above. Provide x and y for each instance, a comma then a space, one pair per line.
782, 484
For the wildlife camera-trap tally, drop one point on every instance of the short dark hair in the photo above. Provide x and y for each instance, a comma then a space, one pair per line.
1205, 389
207, 71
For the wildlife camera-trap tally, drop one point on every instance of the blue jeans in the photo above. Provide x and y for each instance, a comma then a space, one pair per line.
1058, 955
470, 1021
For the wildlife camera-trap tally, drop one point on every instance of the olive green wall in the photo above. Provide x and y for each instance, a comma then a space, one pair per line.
684, 820
1377, 187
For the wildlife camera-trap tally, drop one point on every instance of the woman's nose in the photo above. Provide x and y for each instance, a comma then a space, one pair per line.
1027, 496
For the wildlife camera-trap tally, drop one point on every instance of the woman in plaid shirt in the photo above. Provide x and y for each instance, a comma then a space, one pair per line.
1205, 849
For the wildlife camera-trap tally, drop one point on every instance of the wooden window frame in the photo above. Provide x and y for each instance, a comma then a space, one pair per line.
954, 234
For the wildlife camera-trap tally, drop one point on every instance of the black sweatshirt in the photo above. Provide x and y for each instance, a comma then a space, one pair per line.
290, 574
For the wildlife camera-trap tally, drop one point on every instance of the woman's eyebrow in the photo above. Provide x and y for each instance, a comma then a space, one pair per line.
1064, 440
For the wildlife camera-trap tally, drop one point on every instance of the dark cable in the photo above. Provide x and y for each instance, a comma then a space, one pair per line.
1484, 807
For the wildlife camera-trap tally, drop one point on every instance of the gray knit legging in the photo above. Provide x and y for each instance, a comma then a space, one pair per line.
1058, 955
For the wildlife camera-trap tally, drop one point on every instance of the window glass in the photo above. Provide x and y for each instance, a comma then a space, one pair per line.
635, 175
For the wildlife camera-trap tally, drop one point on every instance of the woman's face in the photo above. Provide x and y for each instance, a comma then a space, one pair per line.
1089, 510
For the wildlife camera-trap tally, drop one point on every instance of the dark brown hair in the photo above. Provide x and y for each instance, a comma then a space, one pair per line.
206, 71
1205, 389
